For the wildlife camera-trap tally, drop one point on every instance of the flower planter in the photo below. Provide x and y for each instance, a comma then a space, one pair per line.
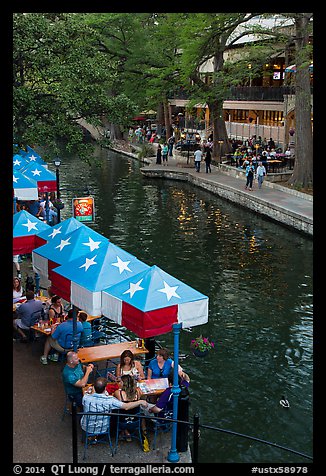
199, 353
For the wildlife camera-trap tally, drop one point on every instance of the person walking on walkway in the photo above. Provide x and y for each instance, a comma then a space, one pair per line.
198, 155
165, 153
250, 170
208, 160
171, 141
260, 172
159, 155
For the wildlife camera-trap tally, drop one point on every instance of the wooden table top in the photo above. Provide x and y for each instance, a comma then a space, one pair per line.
46, 329
109, 351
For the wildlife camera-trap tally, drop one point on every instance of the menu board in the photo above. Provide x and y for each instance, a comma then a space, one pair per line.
151, 385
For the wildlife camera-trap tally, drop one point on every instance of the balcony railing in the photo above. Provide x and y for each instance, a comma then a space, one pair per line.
248, 93
259, 93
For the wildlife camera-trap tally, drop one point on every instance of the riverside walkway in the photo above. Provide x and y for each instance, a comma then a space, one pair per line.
286, 206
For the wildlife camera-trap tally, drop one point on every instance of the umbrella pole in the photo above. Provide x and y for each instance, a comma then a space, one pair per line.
74, 328
47, 207
173, 456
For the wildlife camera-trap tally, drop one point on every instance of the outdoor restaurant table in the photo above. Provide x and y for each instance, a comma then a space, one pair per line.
109, 351
44, 328
153, 386
274, 163
37, 298
148, 387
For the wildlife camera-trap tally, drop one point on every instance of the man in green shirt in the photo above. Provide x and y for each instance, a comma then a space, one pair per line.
75, 377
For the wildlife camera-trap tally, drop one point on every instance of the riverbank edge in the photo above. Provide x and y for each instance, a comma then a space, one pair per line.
259, 205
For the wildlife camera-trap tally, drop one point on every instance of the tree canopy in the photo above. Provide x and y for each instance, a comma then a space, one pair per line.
106, 67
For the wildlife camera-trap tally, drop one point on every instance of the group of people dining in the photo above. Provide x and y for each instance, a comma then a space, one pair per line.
129, 371
128, 396
52, 310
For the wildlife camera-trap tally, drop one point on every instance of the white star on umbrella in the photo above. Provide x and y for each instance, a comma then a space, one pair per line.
17, 162
63, 243
15, 179
88, 263
36, 172
55, 232
169, 291
122, 265
31, 225
32, 158
133, 288
93, 245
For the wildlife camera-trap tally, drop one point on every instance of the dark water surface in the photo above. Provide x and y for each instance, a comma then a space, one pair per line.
258, 276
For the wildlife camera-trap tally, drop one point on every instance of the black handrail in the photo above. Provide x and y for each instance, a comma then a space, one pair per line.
196, 426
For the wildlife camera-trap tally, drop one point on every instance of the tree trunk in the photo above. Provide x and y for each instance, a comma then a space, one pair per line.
219, 131
303, 167
167, 119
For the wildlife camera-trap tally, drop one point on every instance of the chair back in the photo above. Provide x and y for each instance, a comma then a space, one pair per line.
95, 424
132, 421
68, 344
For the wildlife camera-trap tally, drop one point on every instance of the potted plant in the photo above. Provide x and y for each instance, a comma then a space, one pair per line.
201, 346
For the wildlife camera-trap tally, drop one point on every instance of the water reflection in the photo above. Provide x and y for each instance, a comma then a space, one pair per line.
258, 276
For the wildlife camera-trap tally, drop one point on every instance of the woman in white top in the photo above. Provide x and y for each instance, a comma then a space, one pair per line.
129, 366
17, 290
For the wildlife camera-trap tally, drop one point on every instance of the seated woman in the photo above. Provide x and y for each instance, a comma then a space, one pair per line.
161, 366
56, 309
17, 290
128, 392
86, 335
129, 366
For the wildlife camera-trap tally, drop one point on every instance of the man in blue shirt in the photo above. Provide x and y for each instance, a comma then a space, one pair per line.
61, 338
34, 207
25, 313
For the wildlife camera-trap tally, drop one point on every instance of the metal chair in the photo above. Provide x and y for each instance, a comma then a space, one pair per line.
68, 345
96, 429
130, 421
36, 317
162, 426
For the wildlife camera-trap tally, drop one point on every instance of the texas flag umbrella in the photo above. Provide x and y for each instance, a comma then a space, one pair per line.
60, 229
24, 188
31, 156
150, 302
153, 303
19, 162
25, 230
62, 249
81, 280
46, 180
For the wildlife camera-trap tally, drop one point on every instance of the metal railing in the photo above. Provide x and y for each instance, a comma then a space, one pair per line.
195, 425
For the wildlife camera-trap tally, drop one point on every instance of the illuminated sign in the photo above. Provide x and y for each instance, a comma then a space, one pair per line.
83, 209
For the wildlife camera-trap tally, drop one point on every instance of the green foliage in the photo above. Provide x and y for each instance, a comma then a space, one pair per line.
60, 75
146, 150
